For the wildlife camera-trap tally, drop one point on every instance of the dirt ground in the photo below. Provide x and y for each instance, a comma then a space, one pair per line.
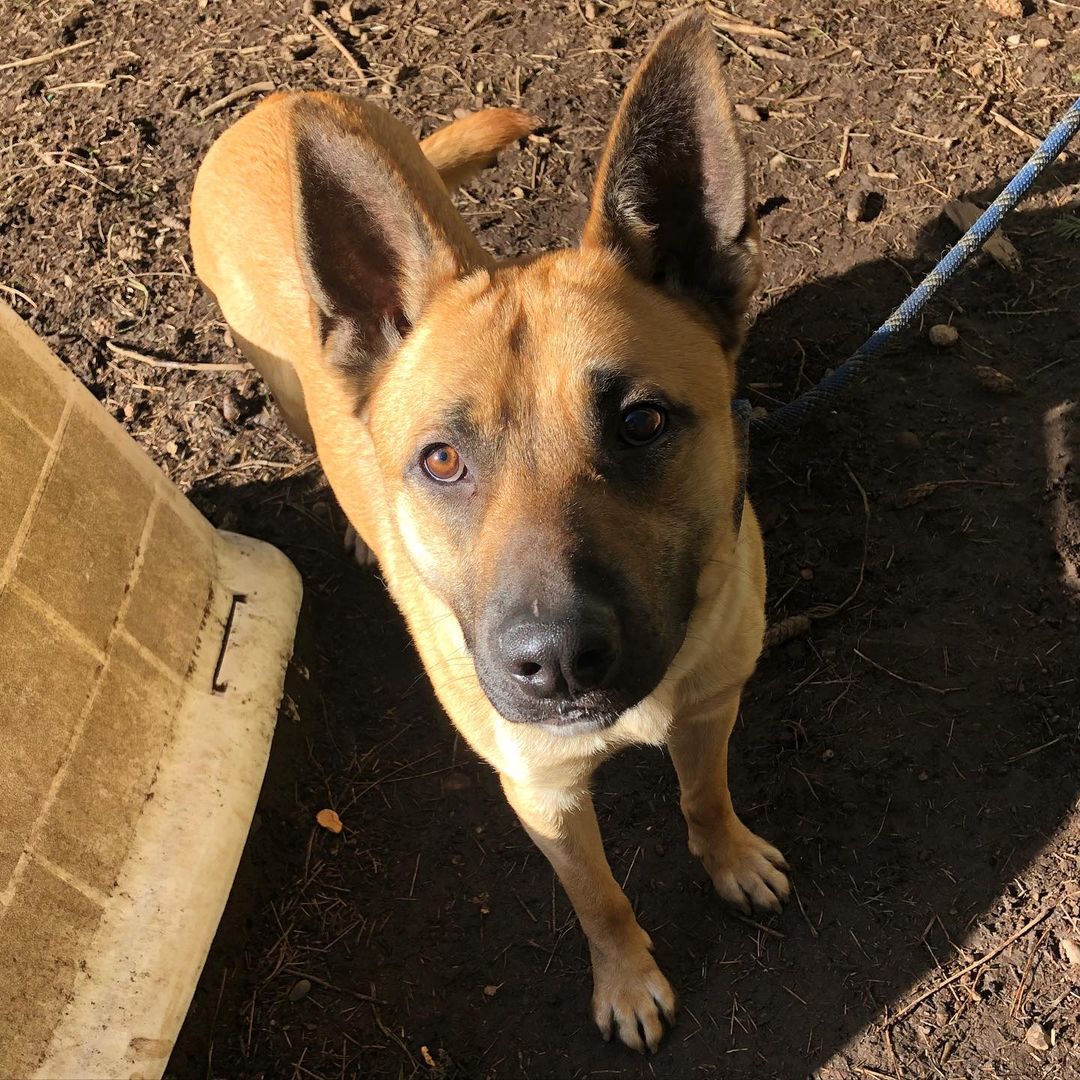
917, 756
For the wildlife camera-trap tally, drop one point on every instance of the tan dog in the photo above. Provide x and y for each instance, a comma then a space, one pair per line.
541, 455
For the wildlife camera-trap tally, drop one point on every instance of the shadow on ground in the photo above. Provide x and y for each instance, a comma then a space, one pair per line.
912, 756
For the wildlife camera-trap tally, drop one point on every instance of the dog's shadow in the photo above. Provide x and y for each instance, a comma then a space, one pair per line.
912, 755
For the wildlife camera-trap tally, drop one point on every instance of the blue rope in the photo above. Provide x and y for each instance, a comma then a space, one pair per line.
792, 414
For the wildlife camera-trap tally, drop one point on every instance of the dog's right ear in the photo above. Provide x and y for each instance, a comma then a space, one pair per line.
376, 233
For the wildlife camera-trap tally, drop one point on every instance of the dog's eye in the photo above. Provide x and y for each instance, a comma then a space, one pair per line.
443, 463
641, 424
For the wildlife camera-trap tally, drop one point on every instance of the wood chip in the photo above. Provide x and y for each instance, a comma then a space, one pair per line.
963, 214
330, 821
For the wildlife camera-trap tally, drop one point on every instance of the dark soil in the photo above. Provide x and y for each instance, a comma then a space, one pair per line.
917, 756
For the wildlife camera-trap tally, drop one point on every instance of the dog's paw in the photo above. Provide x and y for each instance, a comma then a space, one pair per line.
631, 998
746, 870
356, 547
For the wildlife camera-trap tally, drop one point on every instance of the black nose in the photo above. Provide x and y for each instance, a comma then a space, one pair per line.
560, 659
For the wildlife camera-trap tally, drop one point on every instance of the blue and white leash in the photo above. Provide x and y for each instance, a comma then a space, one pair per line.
794, 412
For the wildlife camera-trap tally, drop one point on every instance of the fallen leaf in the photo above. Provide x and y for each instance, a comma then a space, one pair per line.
329, 820
1071, 949
997, 382
1036, 1036
916, 494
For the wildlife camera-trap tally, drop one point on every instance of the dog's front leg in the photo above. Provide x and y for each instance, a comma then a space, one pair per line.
746, 870
630, 994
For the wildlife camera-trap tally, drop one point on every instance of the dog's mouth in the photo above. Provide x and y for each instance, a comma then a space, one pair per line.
580, 716
589, 712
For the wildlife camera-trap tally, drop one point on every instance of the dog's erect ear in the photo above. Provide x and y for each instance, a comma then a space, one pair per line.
672, 196
376, 232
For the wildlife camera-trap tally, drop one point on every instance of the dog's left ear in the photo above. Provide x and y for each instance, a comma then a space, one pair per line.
672, 198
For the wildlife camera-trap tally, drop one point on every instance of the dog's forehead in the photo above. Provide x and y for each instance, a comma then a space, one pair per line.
536, 343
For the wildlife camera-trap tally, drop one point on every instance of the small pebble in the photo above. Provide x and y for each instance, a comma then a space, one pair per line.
345, 12
748, 112
908, 440
309, 7
943, 335
300, 989
1041, 43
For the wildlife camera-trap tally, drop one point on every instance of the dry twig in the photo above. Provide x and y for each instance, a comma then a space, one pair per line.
1032, 140
732, 24
797, 625
42, 58
175, 365
904, 679
332, 38
236, 95
908, 1009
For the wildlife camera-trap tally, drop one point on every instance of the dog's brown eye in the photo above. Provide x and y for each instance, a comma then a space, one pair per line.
642, 423
443, 463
